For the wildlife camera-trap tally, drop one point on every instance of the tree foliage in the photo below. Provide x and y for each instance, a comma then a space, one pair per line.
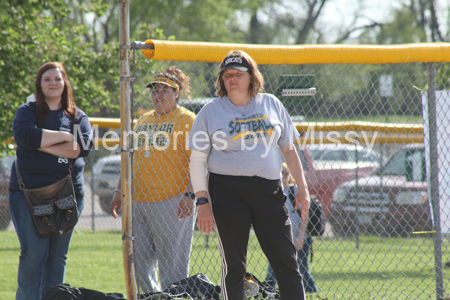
413, 21
34, 32
84, 34
283, 21
194, 20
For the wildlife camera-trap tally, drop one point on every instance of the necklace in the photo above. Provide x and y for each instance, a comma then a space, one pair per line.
240, 109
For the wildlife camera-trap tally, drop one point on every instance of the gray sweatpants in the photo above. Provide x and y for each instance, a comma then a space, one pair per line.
162, 241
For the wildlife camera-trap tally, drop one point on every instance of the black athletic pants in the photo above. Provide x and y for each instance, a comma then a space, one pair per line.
239, 202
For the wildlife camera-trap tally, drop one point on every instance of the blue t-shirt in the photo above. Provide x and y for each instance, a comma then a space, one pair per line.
37, 168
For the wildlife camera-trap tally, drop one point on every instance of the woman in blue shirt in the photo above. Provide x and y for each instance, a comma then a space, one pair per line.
49, 132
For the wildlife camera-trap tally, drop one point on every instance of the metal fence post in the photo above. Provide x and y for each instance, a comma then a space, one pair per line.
380, 224
358, 223
434, 180
126, 146
92, 156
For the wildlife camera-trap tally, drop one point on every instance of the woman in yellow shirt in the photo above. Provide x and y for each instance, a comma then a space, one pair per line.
163, 200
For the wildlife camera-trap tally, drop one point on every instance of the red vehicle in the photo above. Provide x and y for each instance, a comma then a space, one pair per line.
327, 166
392, 200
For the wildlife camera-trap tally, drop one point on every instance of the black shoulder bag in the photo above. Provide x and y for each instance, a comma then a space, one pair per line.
53, 208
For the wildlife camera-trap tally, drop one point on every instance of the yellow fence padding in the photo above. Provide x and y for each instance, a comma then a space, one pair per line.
301, 54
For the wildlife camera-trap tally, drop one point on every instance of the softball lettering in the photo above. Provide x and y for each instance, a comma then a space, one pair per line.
254, 126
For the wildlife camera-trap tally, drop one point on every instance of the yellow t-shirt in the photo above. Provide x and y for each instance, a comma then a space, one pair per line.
161, 162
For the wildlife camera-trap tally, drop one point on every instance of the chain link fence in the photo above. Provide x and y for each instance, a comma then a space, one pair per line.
378, 169
365, 160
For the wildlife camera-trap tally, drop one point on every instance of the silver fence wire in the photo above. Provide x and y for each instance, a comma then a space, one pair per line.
379, 171
380, 238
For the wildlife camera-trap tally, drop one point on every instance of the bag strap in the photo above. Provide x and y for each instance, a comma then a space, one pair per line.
19, 177
291, 194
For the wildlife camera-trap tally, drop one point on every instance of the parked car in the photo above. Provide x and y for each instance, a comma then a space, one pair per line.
5, 172
326, 166
339, 153
392, 201
106, 175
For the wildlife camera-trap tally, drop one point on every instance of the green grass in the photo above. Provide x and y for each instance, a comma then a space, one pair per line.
388, 268
391, 268
94, 262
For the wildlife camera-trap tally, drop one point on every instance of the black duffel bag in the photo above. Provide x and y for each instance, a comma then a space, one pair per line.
194, 287
66, 292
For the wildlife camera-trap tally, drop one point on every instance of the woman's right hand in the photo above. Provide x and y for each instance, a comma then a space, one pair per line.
69, 137
116, 204
205, 218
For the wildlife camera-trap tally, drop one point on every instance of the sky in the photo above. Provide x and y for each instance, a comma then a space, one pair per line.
339, 13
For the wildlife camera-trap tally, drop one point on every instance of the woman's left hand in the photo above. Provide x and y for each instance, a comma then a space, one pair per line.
205, 218
295, 167
302, 198
185, 207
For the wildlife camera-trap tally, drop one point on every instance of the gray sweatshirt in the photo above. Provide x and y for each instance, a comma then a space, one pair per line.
243, 140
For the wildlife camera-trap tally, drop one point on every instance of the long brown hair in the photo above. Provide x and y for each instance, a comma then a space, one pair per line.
67, 104
256, 78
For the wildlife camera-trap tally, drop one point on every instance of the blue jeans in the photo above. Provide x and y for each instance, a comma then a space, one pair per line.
303, 265
42, 263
